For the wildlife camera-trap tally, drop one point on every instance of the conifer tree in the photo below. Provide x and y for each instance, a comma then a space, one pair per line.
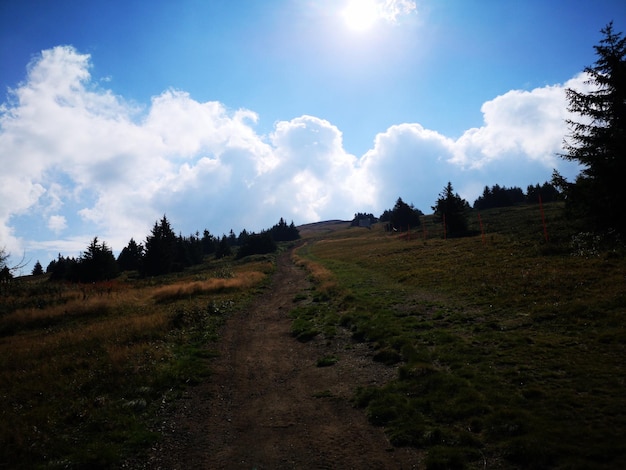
598, 140
452, 209
97, 263
37, 269
131, 256
161, 249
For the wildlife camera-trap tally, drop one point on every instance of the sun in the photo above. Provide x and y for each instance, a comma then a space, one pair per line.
360, 15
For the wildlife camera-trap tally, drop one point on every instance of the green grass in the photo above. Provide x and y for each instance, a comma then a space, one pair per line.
327, 361
509, 349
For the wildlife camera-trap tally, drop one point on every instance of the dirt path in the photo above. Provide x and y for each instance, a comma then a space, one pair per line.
268, 406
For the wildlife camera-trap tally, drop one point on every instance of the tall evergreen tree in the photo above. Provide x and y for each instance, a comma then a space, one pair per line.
453, 209
208, 242
97, 263
131, 256
37, 269
598, 141
161, 249
404, 215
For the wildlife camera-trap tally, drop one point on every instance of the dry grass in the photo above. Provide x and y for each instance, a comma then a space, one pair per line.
323, 277
182, 290
84, 368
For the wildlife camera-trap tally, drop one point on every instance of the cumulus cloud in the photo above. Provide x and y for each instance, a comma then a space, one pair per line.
407, 159
531, 124
80, 160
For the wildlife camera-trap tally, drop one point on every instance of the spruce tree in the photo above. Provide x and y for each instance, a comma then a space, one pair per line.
452, 209
160, 249
131, 256
598, 140
404, 216
37, 269
97, 263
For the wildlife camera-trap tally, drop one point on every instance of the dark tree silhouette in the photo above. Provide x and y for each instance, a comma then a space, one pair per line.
281, 232
598, 141
402, 216
451, 207
5, 274
547, 191
257, 244
131, 256
208, 242
188, 252
160, 249
97, 263
63, 269
222, 248
37, 269
361, 218
499, 196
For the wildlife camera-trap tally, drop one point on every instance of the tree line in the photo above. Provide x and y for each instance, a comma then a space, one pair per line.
452, 209
164, 252
597, 142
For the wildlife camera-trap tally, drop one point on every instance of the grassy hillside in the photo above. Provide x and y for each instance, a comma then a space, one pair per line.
510, 349
86, 369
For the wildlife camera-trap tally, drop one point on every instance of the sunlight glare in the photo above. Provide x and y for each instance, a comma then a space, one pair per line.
360, 15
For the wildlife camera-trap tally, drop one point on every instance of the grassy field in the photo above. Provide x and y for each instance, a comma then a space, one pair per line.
510, 349
85, 370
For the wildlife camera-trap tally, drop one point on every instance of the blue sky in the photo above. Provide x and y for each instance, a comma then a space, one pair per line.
231, 114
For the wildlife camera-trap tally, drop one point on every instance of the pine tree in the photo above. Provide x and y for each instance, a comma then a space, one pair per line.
598, 141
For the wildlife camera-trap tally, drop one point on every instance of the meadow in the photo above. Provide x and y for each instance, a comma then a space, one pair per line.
86, 370
509, 347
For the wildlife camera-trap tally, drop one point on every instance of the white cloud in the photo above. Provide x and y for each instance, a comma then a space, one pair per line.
530, 124
390, 10
57, 223
78, 159
408, 161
